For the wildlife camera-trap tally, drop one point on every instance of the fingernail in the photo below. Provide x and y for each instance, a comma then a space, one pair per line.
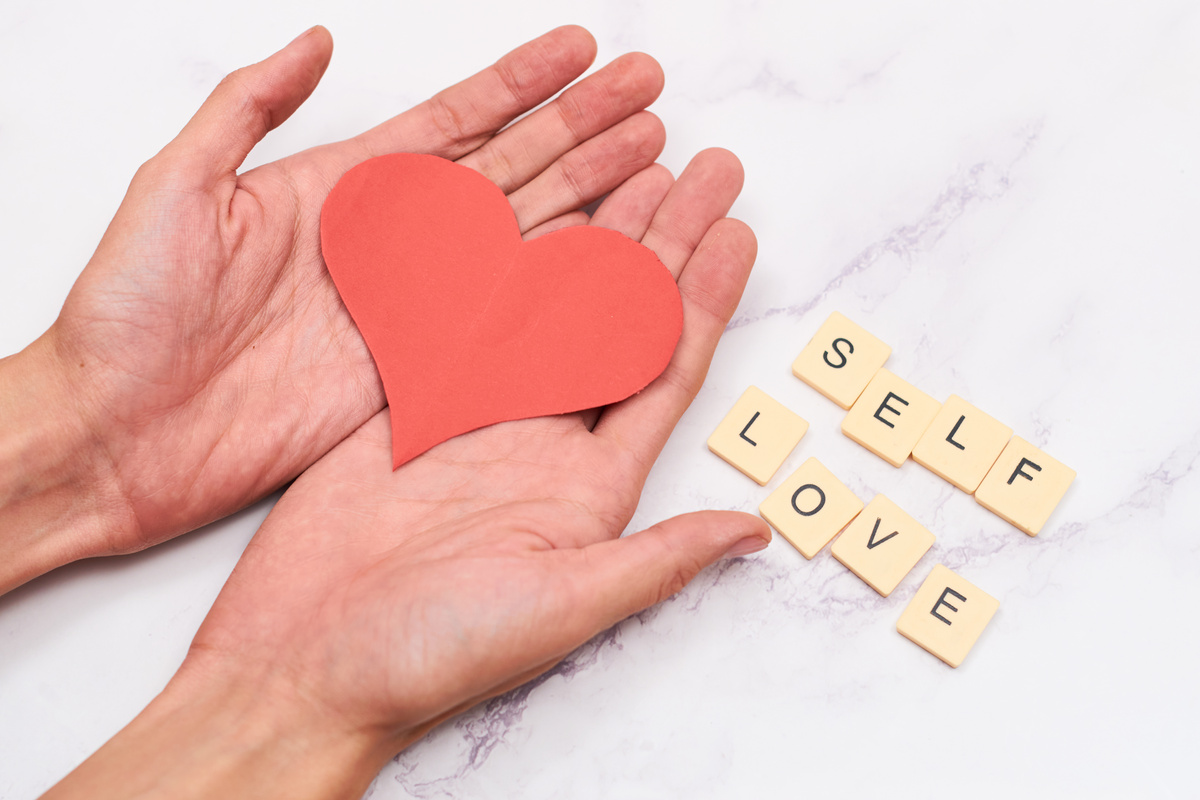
301, 36
744, 547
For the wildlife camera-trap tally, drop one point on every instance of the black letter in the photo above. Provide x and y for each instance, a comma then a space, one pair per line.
871, 543
953, 431
942, 602
748, 424
884, 404
1018, 471
849, 347
820, 504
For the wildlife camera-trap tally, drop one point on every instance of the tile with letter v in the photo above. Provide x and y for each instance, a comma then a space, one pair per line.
882, 545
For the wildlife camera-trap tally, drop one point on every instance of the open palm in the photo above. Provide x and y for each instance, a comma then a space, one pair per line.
210, 356
391, 600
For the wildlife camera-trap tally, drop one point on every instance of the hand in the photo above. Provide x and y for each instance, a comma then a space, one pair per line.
204, 358
373, 604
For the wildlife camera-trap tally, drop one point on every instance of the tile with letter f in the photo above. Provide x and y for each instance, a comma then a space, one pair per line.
757, 434
1024, 486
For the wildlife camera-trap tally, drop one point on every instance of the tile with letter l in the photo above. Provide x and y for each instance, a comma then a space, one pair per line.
961, 444
840, 360
946, 615
810, 507
1024, 486
882, 545
889, 417
758, 434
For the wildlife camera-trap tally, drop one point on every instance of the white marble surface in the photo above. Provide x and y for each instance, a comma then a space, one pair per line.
1004, 192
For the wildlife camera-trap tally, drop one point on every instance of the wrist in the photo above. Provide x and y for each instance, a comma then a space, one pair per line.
237, 736
56, 501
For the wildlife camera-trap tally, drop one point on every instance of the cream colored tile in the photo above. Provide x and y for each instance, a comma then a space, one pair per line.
882, 545
757, 434
810, 507
946, 615
889, 417
840, 360
961, 444
1024, 486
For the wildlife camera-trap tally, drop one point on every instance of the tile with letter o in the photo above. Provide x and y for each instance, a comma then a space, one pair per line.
889, 417
961, 444
1024, 486
882, 545
810, 507
946, 615
757, 435
840, 360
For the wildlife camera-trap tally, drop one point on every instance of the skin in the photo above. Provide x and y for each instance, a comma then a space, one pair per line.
203, 358
374, 604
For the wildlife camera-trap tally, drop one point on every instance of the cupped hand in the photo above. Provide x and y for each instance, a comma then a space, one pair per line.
208, 355
387, 601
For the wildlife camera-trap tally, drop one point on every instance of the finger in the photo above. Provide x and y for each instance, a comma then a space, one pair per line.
457, 120
517, 155
620, 577
590, 171
710, 286
247, 104
569, 220
629, 209
703, 194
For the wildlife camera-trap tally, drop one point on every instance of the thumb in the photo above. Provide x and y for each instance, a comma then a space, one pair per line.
247, 104
629, 574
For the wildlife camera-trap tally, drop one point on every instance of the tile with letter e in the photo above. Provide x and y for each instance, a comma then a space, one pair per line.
810, 507
946, 615
961, 444
757, 434
1024, 486
882, 545
889, 417
840, 360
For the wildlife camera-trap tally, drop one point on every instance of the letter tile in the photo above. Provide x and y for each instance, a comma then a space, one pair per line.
946, 615
882, 545
810, 507
757, 435
961, 444
840, 360
889, 417
1024, 486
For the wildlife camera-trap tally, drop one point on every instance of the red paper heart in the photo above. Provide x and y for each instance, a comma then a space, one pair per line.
468, 324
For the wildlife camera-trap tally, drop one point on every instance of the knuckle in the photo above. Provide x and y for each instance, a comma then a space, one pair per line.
579, 178
447, 120
517, 83
709, 301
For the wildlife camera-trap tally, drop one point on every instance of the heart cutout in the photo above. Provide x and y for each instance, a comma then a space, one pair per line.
468, 324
